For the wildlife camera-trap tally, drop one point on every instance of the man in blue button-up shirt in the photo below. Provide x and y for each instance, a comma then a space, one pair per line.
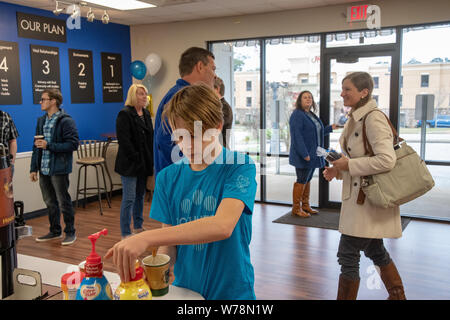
196, 65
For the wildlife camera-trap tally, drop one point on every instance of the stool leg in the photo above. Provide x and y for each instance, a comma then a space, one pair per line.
78, 186
98, 191
85, 181
105, 149
108, 199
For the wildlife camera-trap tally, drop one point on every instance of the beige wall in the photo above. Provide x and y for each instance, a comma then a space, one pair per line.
169, 40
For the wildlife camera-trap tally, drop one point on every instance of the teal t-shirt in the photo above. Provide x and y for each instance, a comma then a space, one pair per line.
221, 269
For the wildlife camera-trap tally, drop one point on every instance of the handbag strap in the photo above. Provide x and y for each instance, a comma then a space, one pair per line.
367, 148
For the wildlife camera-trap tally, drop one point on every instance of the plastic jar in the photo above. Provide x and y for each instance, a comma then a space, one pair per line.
70, 283
136, 289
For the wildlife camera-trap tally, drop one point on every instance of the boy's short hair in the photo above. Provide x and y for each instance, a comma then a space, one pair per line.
131, 96
191, 57
194, 103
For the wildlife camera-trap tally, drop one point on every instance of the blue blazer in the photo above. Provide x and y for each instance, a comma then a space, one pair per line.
304, 140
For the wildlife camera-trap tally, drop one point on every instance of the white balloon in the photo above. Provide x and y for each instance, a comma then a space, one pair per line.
153, 63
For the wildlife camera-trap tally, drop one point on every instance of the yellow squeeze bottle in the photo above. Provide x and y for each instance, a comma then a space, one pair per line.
135, 289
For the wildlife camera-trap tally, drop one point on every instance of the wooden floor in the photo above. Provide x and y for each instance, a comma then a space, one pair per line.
291, 262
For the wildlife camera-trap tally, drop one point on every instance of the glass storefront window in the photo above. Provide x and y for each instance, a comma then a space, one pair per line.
292, 66
238, 65
425, 110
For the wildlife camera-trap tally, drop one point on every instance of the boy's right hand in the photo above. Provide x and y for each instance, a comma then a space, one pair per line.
33, 176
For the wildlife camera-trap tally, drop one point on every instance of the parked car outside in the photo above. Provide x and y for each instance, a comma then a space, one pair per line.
441, 121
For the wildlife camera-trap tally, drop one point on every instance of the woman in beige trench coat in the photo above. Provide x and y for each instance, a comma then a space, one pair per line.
363, 226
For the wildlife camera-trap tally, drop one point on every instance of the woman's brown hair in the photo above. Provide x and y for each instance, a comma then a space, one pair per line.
298, 103
361, 80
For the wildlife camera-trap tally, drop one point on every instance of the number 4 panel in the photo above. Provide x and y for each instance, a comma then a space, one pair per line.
10, 86
44, 70
81, 76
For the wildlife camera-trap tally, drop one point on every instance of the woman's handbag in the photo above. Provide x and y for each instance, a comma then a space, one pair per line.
408, 180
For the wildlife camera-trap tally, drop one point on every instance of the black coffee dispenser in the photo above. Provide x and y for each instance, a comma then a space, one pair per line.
8, 254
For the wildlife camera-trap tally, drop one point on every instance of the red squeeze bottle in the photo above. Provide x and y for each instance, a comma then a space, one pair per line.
94, 286
94, 265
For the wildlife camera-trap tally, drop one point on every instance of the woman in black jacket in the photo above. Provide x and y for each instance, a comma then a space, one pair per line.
134, 160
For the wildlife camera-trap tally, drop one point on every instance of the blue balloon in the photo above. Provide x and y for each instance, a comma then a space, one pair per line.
138, 69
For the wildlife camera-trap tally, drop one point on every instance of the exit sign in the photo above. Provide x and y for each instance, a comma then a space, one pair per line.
357, 13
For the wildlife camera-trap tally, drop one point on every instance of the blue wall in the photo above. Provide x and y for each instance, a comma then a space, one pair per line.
92, 119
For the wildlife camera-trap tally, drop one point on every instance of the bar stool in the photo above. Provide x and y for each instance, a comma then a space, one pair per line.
90, 153
111, 138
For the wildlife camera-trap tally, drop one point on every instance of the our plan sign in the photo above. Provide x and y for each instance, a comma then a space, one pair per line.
41, 28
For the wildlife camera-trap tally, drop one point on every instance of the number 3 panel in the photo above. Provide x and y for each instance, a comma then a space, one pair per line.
81, 76
44, 70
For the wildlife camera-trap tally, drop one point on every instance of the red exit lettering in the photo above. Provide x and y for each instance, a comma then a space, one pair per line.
357, 13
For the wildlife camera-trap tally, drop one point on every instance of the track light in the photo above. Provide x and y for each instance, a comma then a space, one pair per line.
57, 10
90, 15
105, 17
76, 11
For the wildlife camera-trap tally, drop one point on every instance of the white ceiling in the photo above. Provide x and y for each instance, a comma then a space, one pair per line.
181, 10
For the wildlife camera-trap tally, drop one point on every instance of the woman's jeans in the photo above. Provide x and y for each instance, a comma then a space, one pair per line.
55, 194
348, 254
304, 175
133, 192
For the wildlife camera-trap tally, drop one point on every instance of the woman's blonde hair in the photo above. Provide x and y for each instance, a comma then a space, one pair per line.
194, 103
131, 96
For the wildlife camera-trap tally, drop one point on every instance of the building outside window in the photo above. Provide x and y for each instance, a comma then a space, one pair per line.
424, 80
375, 82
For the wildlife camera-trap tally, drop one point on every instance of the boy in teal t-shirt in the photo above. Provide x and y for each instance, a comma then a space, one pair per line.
205, 202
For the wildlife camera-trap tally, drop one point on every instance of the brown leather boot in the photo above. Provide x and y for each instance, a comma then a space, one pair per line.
392, 281
348, 288
297, 194
305, 200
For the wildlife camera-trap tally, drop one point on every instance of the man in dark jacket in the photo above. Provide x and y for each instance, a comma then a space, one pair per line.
56, 139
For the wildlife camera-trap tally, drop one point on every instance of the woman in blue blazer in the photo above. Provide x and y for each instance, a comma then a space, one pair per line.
307, 132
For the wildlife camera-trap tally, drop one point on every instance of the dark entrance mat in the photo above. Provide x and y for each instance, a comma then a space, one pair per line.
327, 219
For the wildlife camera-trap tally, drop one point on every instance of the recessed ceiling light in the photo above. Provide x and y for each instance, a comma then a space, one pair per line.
122, 4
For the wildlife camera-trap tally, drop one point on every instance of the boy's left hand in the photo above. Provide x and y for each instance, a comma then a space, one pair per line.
125, 253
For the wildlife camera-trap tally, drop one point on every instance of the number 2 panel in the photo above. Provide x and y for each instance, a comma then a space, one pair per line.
81, 76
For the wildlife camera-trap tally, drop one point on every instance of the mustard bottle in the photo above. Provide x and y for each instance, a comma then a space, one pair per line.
135, 289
